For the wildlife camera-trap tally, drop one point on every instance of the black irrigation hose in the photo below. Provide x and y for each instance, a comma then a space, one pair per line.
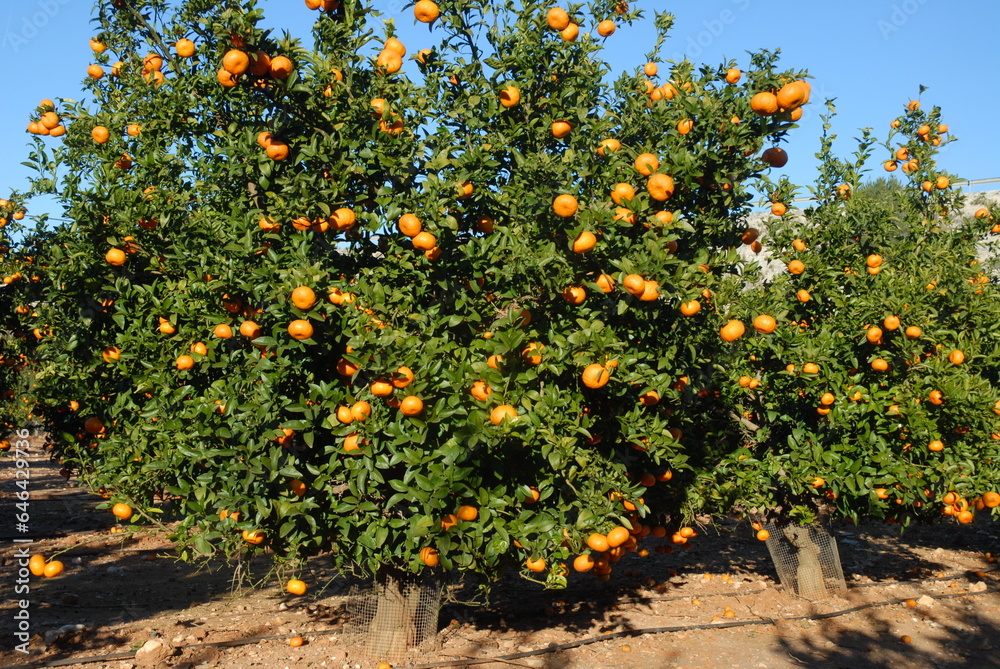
516, 656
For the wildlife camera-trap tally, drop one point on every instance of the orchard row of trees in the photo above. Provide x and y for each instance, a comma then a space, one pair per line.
473, 303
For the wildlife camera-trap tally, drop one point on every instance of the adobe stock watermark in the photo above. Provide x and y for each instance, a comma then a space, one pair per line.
21, 31
901, 13
22, 554
713, 30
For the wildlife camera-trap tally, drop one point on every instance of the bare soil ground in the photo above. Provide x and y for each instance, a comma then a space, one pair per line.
663, 610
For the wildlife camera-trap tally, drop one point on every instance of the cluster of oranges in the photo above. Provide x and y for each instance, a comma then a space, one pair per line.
39, 566
323, 5
422, 240
48, 122
390, 58
963, 510
559, 20
237, 62
786, 100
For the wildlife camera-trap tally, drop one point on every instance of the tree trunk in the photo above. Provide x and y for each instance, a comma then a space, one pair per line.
809, 573
405, 615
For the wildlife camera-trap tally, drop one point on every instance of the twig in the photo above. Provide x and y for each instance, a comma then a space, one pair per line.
743, 421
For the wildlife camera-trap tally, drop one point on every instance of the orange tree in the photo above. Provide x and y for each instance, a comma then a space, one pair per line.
878, 390
438, 305
20, 327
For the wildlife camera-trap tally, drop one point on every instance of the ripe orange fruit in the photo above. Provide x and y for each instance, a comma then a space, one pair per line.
100, 134
411, 405
115, 257
597, 542
764, 103
991, 500
956, 357
510, 97
426, 11
570, 32
296, 641
802, 295
536, 565
935, 397
184, 48
429, 556
793, 94
796, 267
94, 425
649, 398
296, 587
685, 125
53, 569
634, 284
690, 308
481, 391
775, 157
532, 353
303, 298
467, 513
485, 224
359, 411
913, 332
595, 375
778, 209
122, 511
764, 324
255, 537
565, 205
763, 535
609, 145
732, 330
583, 563
574, 294
810, 368
424, 241
660, 187
36, 565
235, 62
647, 163
606, 28
935, 446
184, 362
297, 487
389, 61
501, 412
557, 18
250, 329
584, 242
300, 329
605, 282
622, 192
381, 388
880, 365
561, 129
618, 536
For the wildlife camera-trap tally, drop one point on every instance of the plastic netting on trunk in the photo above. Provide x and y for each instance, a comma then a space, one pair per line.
806, 559
392, 616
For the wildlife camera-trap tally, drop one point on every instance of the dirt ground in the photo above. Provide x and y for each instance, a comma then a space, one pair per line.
663, 610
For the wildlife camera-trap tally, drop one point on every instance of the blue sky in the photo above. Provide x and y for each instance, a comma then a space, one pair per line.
871, 56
